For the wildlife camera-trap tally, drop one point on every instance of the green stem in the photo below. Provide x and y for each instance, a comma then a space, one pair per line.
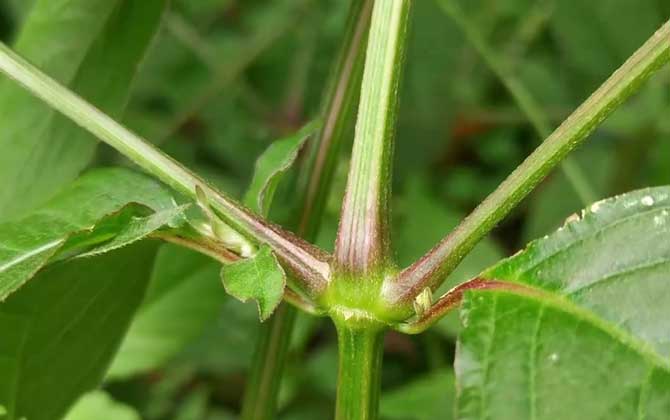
524, 99
359, 374
362, 245
307, 263
260, 397
432, 268
341, 95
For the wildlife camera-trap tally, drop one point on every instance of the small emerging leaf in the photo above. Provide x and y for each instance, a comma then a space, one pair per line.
271, 167
228, 236
260, 278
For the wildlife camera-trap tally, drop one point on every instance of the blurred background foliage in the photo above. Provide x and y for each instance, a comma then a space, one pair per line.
225, 78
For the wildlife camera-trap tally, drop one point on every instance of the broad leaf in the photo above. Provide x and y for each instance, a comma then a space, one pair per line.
614, 259
100, 206
184, 296
260, 278
59, 333
522, 357
100, 406
92, 46
272, 165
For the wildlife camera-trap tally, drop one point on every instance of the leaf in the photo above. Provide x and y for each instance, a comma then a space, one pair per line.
613, 260
260, 278
184, 297
61, 331
522, 357
271, 167
108, 198
100, 406
93, 47
429, 397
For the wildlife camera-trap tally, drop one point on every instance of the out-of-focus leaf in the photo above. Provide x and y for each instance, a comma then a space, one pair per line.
61, 331
596, 37
260, 278
100, 406
613, 260
108, 198
272, 165
93, 47
428, 398
522, 357
184, 296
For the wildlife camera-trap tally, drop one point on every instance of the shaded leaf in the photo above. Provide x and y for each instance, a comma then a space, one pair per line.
429, 397
184, 296
272, 165
613, 259
100, 406
92, 46
522, 357
61, 331
260, 278
108, 198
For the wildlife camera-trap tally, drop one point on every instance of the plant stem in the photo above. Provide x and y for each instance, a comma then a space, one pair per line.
433, 267
337, 109
260, 401
524, 99
307, 263
260, 396
362, 245
359, 374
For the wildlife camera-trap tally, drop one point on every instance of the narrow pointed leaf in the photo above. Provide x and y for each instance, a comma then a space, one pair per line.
96, 208
92, 46
260, 278
59, 333
529, 357
271, 167
613, 258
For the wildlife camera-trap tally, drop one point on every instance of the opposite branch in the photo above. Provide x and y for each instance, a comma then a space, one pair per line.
362, 241
432, 268
305, 261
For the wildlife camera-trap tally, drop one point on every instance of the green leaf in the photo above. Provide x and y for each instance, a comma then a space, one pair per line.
260, 278
428, 398
92, 46
613, 260
92, 210
100, 406
522, 357
184, 297
271, 167
61, 331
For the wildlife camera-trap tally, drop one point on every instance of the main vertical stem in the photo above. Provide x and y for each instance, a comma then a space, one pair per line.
260, 399
359, 375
